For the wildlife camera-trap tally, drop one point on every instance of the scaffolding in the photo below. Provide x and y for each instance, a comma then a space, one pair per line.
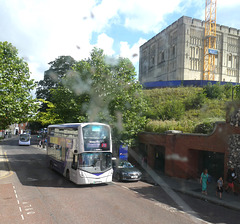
210, 40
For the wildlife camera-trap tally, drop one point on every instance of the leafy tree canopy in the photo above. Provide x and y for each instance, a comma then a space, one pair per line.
16, 102
102, 89
53, 78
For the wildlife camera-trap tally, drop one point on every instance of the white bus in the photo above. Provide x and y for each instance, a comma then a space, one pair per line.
24, 139
82, 152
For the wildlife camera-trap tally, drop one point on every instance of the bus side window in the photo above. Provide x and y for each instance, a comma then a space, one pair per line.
75, 162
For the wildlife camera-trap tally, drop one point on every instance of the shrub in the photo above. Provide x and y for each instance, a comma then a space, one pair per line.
228, 88
204, 128
160, 126
213, 91
195, 101
173, 110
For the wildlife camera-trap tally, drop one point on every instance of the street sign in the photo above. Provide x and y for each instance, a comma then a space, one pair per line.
123, 152
212, 51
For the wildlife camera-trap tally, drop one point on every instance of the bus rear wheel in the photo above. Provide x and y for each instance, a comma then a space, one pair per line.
51, 165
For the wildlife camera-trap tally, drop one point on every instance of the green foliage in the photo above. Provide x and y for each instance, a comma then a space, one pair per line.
53, 77
169, 103
16, 102
195, 101
160, 126
237, 91
204, 128
199, 110
214, 91
228, 90
173, 110
99, 89
48, 117
68, 105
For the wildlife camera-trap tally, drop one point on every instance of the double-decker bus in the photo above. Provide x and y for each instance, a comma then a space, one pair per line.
82, 152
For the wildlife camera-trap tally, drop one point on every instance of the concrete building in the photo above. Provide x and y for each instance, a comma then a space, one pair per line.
176, 53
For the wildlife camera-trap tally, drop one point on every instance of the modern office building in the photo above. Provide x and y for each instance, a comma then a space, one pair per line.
176, 53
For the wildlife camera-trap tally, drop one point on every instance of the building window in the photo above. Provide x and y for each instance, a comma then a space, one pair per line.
153, 60
197, 53
162, 56
173, 50
192, 52
216, 60
230, 61
234, 62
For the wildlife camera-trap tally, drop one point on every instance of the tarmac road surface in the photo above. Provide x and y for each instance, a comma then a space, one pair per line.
32, 193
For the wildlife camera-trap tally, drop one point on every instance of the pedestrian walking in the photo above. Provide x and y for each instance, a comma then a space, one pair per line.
231, 177
204, 181
40, 143
219, 187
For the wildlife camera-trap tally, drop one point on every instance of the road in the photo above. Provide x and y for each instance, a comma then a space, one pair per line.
32, 193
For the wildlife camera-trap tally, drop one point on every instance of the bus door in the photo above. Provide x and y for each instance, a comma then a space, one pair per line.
74, 168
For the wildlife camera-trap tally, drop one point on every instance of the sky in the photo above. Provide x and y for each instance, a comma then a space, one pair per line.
43, 30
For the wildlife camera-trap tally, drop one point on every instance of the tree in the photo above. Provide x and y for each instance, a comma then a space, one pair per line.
102, 89
16, 102
53, 77
49, 116
115, 97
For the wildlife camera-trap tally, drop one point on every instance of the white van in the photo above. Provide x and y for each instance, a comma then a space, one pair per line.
24, 139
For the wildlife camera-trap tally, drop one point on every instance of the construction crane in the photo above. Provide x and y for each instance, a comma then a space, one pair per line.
210, 40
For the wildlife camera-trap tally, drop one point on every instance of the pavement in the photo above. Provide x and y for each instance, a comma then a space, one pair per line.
189, 187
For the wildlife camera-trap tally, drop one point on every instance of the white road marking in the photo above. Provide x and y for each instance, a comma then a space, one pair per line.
18, 202
180, 202
28, 209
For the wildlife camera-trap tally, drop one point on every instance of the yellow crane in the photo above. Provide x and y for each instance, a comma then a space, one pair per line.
210, 40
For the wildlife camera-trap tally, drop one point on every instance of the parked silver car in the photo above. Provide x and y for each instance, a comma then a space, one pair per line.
125, 171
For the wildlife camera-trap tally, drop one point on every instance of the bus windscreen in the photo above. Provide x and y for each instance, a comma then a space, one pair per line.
96, 138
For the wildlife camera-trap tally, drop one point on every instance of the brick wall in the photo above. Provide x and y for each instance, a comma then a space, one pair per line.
182, 151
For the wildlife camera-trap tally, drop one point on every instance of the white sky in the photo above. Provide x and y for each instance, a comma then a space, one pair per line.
43, 30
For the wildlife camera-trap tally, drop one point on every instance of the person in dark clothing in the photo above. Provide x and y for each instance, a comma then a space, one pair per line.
231, 177
219, 187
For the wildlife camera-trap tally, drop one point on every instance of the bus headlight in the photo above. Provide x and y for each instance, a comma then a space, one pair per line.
81, 173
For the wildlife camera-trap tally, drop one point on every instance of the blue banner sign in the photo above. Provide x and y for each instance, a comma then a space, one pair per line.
123, 152
212, 51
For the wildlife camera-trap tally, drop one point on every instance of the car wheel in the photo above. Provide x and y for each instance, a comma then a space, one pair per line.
118, 177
